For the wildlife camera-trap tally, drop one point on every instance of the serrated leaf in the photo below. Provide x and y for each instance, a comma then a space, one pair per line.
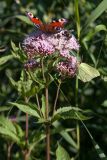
8, 129
9, 134
86, 73
69, 113
6, 123
62, 154
4, 59
27, 109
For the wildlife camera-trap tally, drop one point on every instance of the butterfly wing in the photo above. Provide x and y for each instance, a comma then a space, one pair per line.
53, 27
57, 25
36, 21
86, 73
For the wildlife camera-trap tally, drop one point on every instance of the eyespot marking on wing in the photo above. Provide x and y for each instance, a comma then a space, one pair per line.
54, 26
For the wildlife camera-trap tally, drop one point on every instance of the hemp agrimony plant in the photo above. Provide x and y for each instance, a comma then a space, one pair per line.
47, 59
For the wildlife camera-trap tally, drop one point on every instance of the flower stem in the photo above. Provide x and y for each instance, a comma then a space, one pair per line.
9, 151
27, 125
43, 70
47, 142
47, 127
38, 105
77, 124
76, 3
26, 132
47, 108
26, 152
56, 98
46, 116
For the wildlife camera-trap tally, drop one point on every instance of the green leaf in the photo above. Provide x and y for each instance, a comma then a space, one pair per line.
62, 154
104, 78
92, 33
86, 73
64, 134
5, 122
17, 52
43, 105
19, 130
12, 81
23, 86
76, 4
69, 113
24, 19
27, 109
9, 134
104, 103
8, 129
34, 139
97, 12
4, 108
15, 49
4, 59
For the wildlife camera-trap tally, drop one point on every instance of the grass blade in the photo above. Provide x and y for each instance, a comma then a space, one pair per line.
97, 12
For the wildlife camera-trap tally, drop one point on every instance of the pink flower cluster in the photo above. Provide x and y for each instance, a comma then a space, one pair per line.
68, 67
44, 44
37, 44
40, 43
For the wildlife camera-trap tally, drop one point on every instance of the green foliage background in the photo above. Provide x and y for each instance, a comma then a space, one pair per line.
90, 27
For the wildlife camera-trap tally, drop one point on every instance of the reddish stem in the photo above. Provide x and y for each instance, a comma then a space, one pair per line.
26, 132
9, 151
26, 151
47, 128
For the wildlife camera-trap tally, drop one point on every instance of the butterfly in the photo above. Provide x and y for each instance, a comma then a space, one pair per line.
86, 73
53, 27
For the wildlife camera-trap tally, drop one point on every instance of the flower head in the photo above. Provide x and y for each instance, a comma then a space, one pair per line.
68, 67
64, 42
44, 44
37, 44
41, 43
